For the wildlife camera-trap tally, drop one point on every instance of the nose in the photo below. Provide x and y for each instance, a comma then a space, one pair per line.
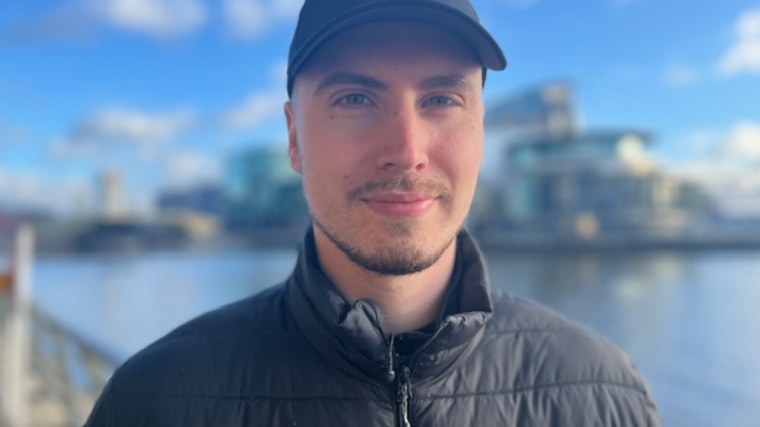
405, 141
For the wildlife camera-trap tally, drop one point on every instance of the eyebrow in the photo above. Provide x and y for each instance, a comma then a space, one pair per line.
447, 81
343, 78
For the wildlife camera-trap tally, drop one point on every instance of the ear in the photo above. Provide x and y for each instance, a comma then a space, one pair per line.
293, 153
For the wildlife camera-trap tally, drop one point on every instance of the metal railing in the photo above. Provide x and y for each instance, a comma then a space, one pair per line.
50, 375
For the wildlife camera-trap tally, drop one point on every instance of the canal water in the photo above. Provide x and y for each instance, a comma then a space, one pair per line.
689, 321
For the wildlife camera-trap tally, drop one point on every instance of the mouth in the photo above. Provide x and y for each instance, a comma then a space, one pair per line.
401, 205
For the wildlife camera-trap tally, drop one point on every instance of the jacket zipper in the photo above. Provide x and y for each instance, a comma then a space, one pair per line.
403, 376
403, 394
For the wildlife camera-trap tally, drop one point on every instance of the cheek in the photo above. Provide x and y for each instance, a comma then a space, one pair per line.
462, 151
337, 160
326, 172
474, 146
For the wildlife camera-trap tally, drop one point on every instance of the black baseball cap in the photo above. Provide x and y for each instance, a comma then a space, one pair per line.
321, 19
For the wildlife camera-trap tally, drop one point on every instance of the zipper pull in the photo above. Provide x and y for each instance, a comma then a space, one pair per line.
403, 394
390, 373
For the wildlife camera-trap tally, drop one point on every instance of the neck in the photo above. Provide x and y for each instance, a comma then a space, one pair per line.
408, 302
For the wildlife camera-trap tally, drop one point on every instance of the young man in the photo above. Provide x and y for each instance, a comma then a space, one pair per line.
387, 319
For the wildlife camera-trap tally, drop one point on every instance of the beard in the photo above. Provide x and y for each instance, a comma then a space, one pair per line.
401, 259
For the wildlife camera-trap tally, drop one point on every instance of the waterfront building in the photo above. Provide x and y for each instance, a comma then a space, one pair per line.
541, 112
198, 209
597, 182
264, 195
549, 179
206, 199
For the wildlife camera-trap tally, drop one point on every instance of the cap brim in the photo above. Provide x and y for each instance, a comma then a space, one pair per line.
485, 47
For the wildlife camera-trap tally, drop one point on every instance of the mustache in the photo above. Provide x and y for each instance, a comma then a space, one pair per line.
401, 183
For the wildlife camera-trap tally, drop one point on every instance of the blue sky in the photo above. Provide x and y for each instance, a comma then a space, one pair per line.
162, 90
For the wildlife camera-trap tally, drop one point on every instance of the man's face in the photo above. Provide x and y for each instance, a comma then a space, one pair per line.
386, 129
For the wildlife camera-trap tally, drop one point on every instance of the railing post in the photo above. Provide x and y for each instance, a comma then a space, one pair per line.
15, 376
24, 254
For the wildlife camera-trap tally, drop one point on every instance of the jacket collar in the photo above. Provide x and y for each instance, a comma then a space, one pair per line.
351, 338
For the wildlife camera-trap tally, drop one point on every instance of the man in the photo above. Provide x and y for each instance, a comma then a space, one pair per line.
387, 319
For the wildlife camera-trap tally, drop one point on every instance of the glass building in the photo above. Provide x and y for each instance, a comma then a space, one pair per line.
262, 191
544, 176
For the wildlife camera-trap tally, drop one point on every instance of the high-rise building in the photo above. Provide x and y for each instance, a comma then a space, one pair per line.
111, 192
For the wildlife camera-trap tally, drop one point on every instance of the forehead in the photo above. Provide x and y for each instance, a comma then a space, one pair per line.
405, 44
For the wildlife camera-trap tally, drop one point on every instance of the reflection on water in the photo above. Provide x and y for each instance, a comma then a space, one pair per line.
688, 321
128, 302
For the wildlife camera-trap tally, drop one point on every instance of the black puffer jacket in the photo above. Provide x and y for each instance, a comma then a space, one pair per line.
299, 355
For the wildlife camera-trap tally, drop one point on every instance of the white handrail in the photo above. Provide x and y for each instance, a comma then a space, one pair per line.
49, 374
14, 397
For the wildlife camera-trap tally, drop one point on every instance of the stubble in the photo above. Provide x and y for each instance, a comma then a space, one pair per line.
405, 257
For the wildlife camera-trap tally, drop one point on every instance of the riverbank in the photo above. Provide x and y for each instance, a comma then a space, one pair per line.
706, 239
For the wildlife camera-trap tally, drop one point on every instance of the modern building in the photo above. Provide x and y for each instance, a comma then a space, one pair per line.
207, 199
264, 195
198, 210
550, 180
542, 112
594, 183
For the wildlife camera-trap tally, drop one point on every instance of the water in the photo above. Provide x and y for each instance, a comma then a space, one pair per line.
689, 321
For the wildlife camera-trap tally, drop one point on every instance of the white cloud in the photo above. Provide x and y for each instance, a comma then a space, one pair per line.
246, 18
27, 189
124, 125
154, 17
187, 167
696, 144
144, 148
287, 8
80, 18
743, 142
260, 107
116, 136
279, 73
256, 110
727, 151
744, 54
253, 18
749, 24
729, 166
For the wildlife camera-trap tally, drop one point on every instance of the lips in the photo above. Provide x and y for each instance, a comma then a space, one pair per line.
400, 204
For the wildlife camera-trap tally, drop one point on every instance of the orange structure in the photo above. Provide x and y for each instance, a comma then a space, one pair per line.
6, 280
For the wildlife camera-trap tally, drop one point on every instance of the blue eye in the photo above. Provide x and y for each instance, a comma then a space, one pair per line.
439, 100
353, 99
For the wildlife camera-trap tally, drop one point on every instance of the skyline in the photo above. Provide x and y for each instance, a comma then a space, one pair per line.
163, 90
